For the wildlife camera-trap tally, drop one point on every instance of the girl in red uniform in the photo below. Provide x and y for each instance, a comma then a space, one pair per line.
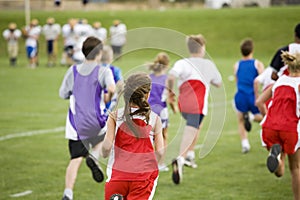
281, 126
133, 135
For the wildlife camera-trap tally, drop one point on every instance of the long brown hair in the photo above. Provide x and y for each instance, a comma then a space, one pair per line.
135, 91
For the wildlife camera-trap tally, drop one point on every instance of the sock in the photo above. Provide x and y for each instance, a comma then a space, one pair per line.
245, 143
190, 155
251, 117
69, 193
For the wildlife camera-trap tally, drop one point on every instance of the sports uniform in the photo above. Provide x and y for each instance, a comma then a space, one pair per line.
244, 98
132, 168
31, 42
157, 98
194, 75
281, 124
84, 85
12, 35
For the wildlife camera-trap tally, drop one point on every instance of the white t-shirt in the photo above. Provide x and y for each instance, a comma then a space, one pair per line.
195, 75
12, 37
118, 35
51, 32
32, 35
101, 34
265, 78
69, 35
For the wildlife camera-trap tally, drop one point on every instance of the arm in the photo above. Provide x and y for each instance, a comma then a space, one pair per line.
277, 62
216, 76
256, 87
158, 139
171, 95
66, 87
260, 101
109, 137
259, 66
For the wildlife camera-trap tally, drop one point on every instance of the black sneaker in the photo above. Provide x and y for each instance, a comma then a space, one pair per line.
97, 172
66, 198
273, 158
175, 173
247, 123
116, 197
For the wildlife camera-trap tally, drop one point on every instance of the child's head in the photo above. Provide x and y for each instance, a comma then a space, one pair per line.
247, 47
160, 63
136, 91
91, 48
107, 55
292, 61
196, 44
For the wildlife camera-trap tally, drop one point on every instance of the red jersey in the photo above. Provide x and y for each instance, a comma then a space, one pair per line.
284, 110
133, 158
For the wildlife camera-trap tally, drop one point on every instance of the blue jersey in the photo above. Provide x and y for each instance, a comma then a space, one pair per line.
246, 73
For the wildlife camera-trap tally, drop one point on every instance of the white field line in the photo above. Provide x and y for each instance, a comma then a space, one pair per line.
31, 133
27, 192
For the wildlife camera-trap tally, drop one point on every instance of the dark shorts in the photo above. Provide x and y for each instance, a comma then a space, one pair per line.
117, 49
50, 46
80, 148
193, 120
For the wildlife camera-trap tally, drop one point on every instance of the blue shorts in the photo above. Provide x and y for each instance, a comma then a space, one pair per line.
193, 120
31, 51
245, 102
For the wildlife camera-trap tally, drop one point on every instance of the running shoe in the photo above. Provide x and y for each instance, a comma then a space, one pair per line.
190, 163
247, 123
65, 198
97, 172
274, 157
177, 166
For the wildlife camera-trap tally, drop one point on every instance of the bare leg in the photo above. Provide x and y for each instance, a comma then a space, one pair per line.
243, 133
280, 170
294, 165
72, 171
258, 117
189, 139
165, 136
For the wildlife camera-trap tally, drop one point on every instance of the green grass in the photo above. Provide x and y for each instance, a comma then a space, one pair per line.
29, 101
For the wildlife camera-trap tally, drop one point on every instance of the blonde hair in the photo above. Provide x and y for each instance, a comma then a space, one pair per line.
291, 60
160, 63
195, 43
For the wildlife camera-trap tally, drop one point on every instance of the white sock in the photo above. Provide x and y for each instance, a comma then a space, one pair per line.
191, 155
245, 143
251, 117
69, 193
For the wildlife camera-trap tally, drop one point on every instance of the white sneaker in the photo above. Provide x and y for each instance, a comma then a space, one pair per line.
245, 146
190, 163
177, 165
163, 167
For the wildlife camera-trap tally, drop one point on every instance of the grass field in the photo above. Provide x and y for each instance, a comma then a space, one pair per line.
29, 104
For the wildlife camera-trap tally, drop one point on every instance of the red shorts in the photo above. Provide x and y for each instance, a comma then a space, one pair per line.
288, 140
131, 190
